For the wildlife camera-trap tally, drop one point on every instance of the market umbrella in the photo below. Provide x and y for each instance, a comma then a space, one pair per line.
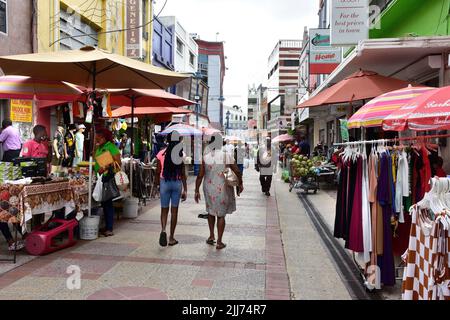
361, 85
210, 131
430, 111
125, 112
373, 112
283, 138
91, 68
182, 129
233, 139
146, 98
19, 87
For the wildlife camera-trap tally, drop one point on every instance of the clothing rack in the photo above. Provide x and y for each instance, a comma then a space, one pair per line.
425, 137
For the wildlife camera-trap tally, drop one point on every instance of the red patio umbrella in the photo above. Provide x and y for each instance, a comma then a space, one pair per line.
125, 112
431, 111
361, 85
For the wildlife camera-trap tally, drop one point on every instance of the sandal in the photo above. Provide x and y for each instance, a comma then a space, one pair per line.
211, 242
221, 246
20, 246
173, 243
163, 239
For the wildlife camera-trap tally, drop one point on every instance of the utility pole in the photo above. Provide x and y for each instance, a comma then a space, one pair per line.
198, 76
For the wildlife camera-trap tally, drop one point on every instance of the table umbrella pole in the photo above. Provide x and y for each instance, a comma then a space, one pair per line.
92, 142
90, 186
132, 144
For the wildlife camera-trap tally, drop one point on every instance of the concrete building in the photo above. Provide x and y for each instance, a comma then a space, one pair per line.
235, 117
163, 45
283, 80
59, 21
17, 36
211, 63
252, 103
416, 34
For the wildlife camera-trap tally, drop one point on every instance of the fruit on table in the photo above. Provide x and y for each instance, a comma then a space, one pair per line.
302, 166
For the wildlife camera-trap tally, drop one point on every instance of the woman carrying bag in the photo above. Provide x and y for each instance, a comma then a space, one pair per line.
220, 175
104, 149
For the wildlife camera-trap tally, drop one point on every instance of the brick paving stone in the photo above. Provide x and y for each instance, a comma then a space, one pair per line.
207, 283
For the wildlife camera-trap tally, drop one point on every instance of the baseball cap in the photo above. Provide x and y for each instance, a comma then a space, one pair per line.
81, 126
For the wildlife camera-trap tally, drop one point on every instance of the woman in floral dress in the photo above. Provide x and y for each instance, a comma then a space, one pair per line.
219, 198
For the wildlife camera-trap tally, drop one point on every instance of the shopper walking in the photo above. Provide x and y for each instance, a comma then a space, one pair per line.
104, 143
265, 166
10, 140
219, 197
171, 178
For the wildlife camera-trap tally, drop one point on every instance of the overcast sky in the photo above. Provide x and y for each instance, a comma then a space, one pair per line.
250, 29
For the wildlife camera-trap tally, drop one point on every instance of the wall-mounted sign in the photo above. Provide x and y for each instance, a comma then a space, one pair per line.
133, 34
21, 110
323, 58
349, 22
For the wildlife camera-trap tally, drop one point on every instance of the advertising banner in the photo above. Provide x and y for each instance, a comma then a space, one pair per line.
349, 22
323, 57
21, 110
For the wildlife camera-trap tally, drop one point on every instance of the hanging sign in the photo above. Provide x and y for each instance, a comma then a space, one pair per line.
133, 33
21, 110
349, 22
323, 58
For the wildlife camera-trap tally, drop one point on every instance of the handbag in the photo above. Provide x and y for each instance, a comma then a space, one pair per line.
231, 179
121, 178
110, 190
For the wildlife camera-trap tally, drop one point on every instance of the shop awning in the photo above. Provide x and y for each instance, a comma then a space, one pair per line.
409, 59
360, 85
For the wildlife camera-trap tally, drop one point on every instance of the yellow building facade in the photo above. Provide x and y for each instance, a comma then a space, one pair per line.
71, 24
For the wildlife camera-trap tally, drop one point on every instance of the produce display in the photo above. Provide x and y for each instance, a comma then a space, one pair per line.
302, 166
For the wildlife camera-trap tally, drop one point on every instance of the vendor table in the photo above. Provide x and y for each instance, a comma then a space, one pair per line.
18, 203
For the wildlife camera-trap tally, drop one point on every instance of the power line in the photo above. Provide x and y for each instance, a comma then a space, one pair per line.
112, 31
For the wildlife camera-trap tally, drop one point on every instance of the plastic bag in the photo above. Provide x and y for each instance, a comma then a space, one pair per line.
121, 178
98, 190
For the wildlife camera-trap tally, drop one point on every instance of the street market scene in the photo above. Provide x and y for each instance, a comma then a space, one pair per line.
181, 150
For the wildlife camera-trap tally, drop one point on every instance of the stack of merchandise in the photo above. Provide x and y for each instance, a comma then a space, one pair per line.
8, 171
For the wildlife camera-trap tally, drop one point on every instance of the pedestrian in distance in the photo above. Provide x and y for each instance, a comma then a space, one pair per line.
171, 178
10, 140
265, 165
220, 198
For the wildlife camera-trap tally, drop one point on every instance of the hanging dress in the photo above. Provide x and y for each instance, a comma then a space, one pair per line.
356, 238
386, 260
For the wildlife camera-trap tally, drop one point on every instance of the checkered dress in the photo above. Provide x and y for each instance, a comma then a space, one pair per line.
426, 275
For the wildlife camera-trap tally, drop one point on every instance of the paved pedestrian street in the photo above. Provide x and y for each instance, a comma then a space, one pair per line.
261, 261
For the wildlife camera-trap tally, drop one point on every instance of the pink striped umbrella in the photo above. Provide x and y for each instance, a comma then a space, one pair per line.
373, 112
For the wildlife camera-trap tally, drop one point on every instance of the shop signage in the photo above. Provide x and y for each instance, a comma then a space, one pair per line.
323, 58
133, 34
349, 22
21, 110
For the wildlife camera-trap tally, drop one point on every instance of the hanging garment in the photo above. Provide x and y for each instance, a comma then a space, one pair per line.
366, 216
426, 275
386, 260
356, 238
373, 181
425, 172
401, 185
341, 201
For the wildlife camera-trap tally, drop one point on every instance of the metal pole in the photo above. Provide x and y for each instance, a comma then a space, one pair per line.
197, 105
91, 151
133, 98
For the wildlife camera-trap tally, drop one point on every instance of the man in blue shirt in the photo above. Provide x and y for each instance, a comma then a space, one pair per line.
305, 148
